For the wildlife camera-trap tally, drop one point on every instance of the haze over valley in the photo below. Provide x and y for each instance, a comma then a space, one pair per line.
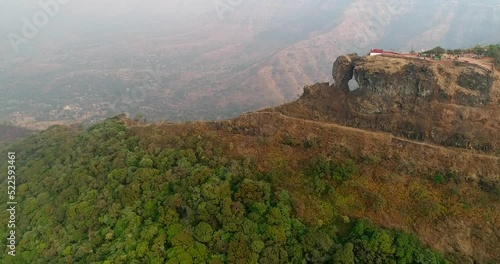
202, 60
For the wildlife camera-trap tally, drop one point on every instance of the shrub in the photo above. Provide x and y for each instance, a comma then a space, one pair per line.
287, 140
445, 177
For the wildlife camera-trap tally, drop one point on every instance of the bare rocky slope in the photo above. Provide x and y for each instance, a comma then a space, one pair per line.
447, 103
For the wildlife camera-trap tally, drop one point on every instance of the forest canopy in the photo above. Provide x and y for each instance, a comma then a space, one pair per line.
106, 195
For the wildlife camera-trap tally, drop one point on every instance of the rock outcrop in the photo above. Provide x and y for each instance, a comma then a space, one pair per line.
343, 70
446, 82
446, 103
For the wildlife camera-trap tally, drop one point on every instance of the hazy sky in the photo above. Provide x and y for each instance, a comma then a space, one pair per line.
12, 11
76, 17
97, 18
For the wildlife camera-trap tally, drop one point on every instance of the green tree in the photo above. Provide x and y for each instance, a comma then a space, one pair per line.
203, 232
238, 251
344, 255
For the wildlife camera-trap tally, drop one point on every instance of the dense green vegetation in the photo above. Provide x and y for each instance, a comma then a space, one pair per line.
494, 52
107, 196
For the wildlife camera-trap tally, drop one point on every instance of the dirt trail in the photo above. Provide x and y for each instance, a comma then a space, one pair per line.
479, 62
389, 136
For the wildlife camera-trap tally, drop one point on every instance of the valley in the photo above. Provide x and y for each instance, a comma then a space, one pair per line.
211, 68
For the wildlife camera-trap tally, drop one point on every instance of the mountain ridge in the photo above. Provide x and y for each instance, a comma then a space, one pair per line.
211, 68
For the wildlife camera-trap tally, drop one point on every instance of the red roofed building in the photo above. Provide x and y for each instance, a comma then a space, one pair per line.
374, 52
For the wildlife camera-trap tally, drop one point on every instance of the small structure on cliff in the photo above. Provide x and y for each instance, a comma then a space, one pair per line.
374, 52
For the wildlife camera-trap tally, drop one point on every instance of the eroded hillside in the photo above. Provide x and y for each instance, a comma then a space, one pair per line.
449, 103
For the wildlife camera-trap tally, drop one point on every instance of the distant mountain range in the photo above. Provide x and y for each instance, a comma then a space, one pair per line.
215, 61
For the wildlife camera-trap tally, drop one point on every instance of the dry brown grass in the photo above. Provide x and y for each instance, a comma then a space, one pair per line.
393, 187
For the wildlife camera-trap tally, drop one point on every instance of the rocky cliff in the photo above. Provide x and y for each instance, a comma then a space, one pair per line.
448, 103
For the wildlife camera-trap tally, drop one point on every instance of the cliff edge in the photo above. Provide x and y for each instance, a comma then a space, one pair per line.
448, 103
